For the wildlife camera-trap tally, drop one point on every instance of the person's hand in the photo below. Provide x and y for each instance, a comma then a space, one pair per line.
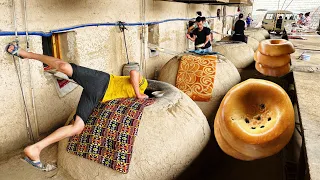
188, 36
142, 96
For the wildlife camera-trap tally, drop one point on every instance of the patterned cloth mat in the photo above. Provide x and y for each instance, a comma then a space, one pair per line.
196, 76
109, 134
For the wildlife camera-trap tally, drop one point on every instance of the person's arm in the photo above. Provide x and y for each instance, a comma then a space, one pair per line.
234, 26
135, 78
207, 37
193, 38
207, 40
190, 29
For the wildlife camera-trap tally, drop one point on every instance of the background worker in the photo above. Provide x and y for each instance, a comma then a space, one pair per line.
249, 20
194, 26
307, 20
239, 28
201, 36
300, 19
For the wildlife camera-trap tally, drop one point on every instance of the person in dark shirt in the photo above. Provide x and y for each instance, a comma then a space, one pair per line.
239, 28
201, 36
279, 22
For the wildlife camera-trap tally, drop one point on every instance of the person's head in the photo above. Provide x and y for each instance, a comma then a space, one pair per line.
240, 16
307, 14
300, 15
199, 21
203, 19
280, 17
249, 14
199, 13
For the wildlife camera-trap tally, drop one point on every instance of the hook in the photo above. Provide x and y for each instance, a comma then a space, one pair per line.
122, 26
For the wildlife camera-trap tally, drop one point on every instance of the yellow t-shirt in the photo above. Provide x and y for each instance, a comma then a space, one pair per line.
121, 87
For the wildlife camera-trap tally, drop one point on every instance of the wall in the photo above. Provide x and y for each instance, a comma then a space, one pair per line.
101, 48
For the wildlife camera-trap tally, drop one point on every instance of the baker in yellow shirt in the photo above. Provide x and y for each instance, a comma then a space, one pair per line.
97, 86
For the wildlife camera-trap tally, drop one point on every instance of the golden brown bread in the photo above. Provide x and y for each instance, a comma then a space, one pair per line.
275, 47
271, 61
276, 72
255, 120
224, 145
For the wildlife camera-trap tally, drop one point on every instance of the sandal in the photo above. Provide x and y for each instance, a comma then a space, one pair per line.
15, 51
39, 165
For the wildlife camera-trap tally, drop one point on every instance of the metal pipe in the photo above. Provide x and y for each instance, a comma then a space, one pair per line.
143, 49
141, 37
48, 34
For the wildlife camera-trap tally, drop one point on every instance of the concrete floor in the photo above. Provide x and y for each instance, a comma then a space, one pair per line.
307, 87
16, 169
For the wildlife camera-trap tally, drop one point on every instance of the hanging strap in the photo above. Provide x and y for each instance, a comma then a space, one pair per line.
30, 75
122, 27
18, 70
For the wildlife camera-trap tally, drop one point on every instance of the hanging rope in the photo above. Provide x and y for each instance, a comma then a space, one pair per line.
18, 70
283, 4
122, 27
288, 4
30, 75
315, 11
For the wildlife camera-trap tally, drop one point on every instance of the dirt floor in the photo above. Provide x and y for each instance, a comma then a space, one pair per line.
16, 169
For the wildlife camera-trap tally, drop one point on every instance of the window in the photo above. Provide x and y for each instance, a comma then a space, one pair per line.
47, 48
282, 16
51, 47
289, 17
269, 16
60, 46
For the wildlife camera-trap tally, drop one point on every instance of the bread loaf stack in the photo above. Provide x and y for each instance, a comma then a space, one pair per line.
273, 57
255, 120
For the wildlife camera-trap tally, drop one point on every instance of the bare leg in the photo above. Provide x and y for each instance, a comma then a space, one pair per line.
33, 151
56, 63
135, 78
